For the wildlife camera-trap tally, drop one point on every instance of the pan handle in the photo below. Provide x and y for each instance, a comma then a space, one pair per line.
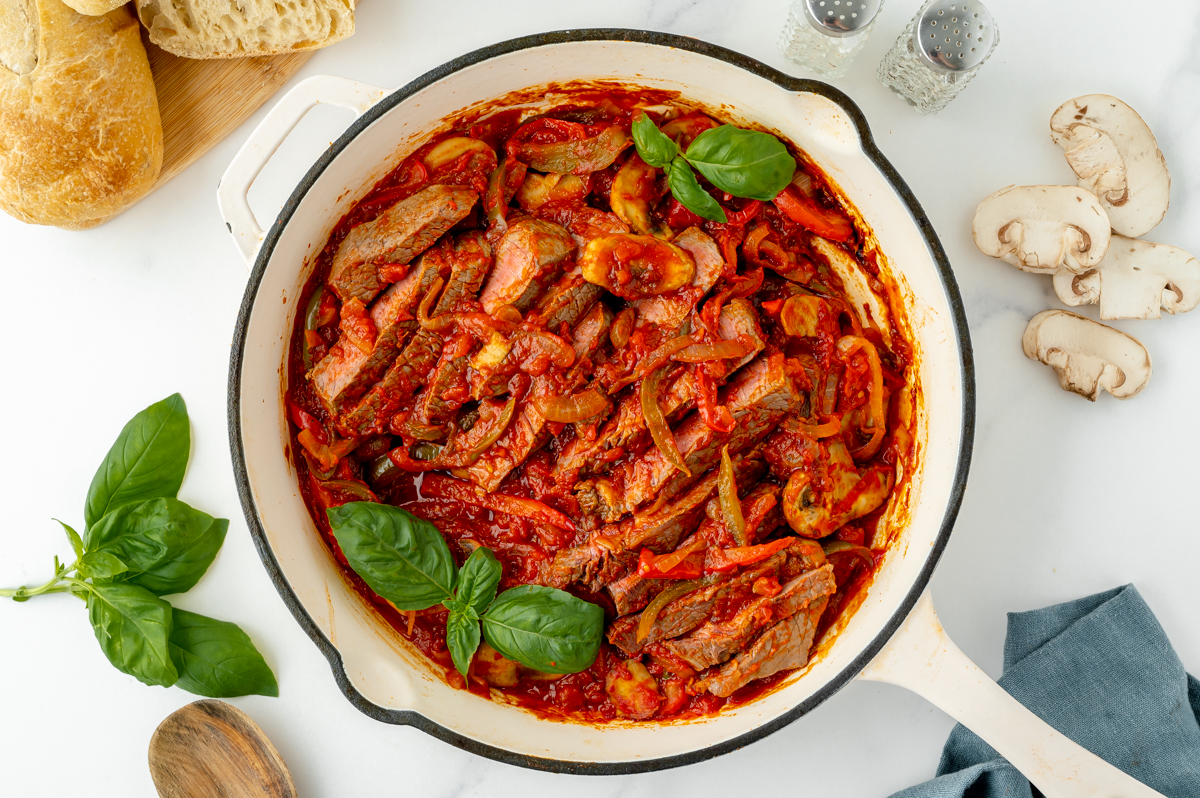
235, 185
922, 658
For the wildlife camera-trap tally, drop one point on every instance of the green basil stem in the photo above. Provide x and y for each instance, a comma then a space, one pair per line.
55, 585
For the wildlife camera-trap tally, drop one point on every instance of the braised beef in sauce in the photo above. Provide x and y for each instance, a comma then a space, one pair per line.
475, 346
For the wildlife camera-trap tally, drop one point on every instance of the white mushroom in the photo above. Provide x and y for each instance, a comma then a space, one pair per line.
1087, 355
1042, 228
1135, 280
870, 309
1115, 155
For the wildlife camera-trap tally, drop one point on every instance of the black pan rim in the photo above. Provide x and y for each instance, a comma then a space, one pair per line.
953, 296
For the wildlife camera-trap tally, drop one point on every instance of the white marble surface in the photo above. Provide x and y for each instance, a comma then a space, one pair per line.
1065, 498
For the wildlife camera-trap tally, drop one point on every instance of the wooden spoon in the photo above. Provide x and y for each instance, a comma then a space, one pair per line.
210, 749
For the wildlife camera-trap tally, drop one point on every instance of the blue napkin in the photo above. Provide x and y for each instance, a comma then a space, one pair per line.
1101, 671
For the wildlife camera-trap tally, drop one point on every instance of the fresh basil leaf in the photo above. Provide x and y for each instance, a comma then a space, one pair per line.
690, 194
146, 462
478, 579
217, 659
73, 536
744, 163
545, 629
462, 638
100, 566
133, 627
401, 557
166, 545
653, 146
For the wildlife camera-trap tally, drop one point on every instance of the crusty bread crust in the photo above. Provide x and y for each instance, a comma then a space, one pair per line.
241, 28
94, 8
80, 135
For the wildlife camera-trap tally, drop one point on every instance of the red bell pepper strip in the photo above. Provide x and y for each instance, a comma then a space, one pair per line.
685, 563
720, 560
811, 216
436, 486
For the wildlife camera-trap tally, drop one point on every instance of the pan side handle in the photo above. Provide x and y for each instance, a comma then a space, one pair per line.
922, 658
235, 185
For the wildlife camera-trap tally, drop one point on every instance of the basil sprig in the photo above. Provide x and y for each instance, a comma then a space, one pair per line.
740, 162
405, 560
142, 543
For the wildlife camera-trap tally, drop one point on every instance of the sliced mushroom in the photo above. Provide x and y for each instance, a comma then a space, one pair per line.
1116, 157
1136, 280
1087, 355
1042, 229
870, 309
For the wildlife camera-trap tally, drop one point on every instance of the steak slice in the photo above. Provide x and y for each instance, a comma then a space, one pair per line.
689, 611
716, 641
567, 300
564, 303
783, 646
628, 425
528, 432
757, 397
347, 371
408, 373
528, 255
597, 564
396, 236
446, 392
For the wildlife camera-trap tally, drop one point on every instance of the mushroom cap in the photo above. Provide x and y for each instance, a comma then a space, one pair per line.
1136, 280
1116, 157
1042, 229
1087, 355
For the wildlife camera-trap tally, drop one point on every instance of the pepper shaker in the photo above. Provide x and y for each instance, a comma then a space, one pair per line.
939, 52
826, 35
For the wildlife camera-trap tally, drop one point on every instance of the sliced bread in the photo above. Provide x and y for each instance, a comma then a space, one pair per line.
238, 28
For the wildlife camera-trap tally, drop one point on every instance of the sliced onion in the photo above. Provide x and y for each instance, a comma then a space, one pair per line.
663, 438
672, 592
569, 409
622, 327
731, 507
836, 547
728, 349
826, 430
441, 322
349, 487
468, 457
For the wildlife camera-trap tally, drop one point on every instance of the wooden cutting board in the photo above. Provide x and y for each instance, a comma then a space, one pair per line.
202, 102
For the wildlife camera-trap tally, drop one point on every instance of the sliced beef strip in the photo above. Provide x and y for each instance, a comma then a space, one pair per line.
408, 373
347, 371
628, 424
783, 646
528, 432
757, 397
528, 255
564, 303
471, 260
567, 300
689, 611
596, 563
396, 236
716, 641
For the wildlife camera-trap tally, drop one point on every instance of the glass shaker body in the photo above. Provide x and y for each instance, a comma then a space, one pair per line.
938, 53
830, 53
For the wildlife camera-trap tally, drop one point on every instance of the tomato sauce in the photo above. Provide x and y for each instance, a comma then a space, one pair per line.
523, 546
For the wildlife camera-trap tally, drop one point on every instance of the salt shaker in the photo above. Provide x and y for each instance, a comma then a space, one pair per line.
939, 52
826, 35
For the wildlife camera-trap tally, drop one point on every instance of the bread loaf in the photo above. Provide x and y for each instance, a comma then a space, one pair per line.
94, 7
80, 135
236, 28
